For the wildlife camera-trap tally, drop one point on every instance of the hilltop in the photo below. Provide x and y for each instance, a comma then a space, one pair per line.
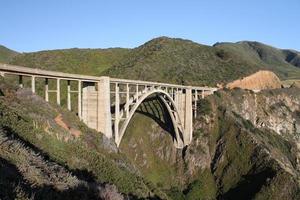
170, 60
6, 54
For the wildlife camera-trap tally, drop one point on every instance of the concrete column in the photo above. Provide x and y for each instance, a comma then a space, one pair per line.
46, 90
188, 122
202, 94
180, 103
69, 95
79, 100
127, 100
137, 91
58, 91
195, 103
104, 114
117, 114
20, 81
33, 84
89, 104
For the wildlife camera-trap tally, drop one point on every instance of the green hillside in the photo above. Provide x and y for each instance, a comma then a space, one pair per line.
283, 62
170, 60
6, 54
83, 61
183, 61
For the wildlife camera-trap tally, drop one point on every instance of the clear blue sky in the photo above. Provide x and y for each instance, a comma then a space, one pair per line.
31, 25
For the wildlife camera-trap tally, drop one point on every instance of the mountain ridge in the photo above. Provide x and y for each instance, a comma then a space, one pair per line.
174, 60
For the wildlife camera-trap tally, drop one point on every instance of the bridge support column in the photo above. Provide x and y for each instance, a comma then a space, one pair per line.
46, 90
79, 101
117, 114
58, 91
33, 84
69, 95
188, 121
90, 104
104, 114
184, 104
20, 81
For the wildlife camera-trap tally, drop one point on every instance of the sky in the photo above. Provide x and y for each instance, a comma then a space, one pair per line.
33, 25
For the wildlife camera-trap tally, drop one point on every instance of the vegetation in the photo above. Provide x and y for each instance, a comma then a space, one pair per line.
170, 60
80, 61
90, 156
230, 157
6, 55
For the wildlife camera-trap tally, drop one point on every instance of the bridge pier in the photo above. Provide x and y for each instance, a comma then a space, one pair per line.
104, 113
33, 84
20, 81
183, 101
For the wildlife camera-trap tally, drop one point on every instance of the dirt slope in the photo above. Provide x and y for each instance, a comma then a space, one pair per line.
257, 81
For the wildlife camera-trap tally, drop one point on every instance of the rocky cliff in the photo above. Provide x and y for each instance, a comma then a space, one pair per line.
245, 146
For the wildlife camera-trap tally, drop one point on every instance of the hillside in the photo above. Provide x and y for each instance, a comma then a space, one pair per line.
44, 158
81, 61
6, 54
280, 61
245, 146
235, 153
186, 62
171, 60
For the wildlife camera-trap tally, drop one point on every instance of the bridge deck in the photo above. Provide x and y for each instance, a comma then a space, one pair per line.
26, 71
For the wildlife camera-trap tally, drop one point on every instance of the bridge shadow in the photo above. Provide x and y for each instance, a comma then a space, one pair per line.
154, 108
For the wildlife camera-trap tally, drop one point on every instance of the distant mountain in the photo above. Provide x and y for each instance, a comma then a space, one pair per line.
6, 54
281, 61
171, 60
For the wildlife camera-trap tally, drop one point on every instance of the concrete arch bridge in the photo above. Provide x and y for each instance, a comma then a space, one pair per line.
108, 104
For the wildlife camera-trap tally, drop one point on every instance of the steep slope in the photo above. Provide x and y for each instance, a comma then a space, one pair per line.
82, 61
6, 54
245, 146
57, 156
260, 80
283, 62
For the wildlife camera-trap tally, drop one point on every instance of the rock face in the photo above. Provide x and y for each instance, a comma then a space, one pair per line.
258, 81
251, 142
246, 145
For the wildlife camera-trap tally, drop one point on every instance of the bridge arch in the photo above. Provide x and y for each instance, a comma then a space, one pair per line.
172, 111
